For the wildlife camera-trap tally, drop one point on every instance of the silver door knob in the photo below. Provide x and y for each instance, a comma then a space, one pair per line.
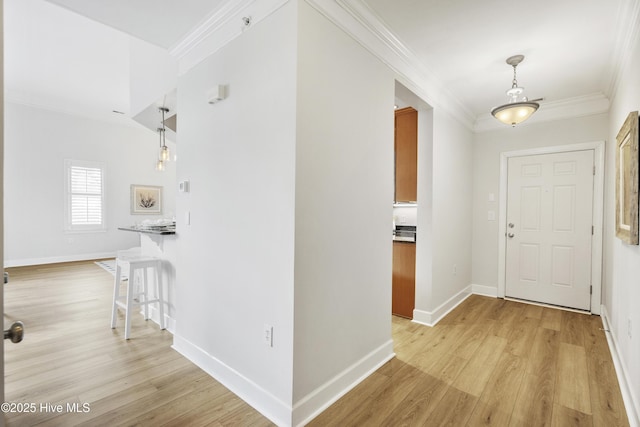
15, 333
511, 225
511, 235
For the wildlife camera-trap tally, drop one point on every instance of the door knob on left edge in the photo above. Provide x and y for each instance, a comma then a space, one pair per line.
510, 235
15, 333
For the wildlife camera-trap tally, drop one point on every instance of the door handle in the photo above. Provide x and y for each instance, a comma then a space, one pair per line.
511, 225
15, 333
510, 235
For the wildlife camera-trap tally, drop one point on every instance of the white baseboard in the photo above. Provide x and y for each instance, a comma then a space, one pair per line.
487, 291
324, 396
270, 406
430, 318
631, 402
57, 259
264, 402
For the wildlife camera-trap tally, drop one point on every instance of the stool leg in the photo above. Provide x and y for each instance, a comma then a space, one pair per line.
159, 294
116, 295
144, 296
130, 292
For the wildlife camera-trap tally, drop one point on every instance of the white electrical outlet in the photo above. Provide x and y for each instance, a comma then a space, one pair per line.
268, 335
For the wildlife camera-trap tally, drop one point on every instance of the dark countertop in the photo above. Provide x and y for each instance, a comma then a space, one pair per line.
147, 230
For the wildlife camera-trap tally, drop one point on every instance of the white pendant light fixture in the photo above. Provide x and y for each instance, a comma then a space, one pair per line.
516, 110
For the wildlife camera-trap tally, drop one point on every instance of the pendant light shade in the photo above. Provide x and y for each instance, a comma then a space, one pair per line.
517, 110
164, 155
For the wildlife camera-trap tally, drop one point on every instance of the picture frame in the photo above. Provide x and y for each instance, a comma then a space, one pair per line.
627, 180
146, 199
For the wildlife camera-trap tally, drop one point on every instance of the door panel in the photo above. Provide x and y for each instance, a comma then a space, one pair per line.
549, 216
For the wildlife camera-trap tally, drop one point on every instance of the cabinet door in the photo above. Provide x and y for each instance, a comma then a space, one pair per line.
406, 152
403, 295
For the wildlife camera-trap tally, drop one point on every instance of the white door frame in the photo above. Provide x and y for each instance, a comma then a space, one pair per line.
598, 209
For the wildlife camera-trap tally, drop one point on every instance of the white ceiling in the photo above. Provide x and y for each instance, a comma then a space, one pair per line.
161, 22
63, 61
567, 44
572, 47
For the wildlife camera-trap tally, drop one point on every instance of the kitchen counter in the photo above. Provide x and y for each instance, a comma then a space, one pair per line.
143, 229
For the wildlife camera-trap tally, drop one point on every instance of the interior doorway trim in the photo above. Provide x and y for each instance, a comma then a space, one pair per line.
598, 209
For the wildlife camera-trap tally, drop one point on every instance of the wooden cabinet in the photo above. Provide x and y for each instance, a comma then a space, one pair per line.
403, 294
406, 155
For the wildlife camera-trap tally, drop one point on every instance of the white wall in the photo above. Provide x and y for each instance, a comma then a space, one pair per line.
152, 74
622, 261
235, 263
36, 143
452, 193
344, 198
443, 263
486, 178
279, 173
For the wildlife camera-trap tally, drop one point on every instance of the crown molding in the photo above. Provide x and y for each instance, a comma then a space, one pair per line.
219, 28
626, 37
212, 23
586, 105
356, 19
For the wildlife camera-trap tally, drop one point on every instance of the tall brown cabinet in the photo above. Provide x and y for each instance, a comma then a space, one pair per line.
406, 153
406, 182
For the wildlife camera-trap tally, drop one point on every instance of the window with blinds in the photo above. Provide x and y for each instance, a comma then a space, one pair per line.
85, 196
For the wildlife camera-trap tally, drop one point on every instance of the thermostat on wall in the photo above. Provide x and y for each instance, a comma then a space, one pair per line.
183, 186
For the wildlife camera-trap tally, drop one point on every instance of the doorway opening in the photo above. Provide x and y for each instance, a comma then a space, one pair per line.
411, 283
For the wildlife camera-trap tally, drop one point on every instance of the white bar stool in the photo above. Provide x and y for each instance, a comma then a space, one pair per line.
133, 263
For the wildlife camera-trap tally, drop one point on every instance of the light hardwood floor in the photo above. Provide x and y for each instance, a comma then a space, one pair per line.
489, 362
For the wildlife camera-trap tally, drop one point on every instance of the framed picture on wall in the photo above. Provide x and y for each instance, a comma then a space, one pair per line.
627, 180
146, 199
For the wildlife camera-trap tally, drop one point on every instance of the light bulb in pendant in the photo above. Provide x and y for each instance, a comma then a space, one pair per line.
165, 155
160, 166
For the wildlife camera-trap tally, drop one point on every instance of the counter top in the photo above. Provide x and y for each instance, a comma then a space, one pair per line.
149, 230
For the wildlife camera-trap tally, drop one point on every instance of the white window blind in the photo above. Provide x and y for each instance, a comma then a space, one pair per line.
85, 196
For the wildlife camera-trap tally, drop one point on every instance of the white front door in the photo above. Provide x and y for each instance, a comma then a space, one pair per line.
549, 228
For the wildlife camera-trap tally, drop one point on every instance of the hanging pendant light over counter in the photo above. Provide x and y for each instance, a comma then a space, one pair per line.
164, 155
516, 110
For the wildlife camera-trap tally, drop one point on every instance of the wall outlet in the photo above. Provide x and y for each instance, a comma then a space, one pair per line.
268, 335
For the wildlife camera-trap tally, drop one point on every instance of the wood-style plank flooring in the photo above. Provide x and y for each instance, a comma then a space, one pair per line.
70, 354
489, 362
